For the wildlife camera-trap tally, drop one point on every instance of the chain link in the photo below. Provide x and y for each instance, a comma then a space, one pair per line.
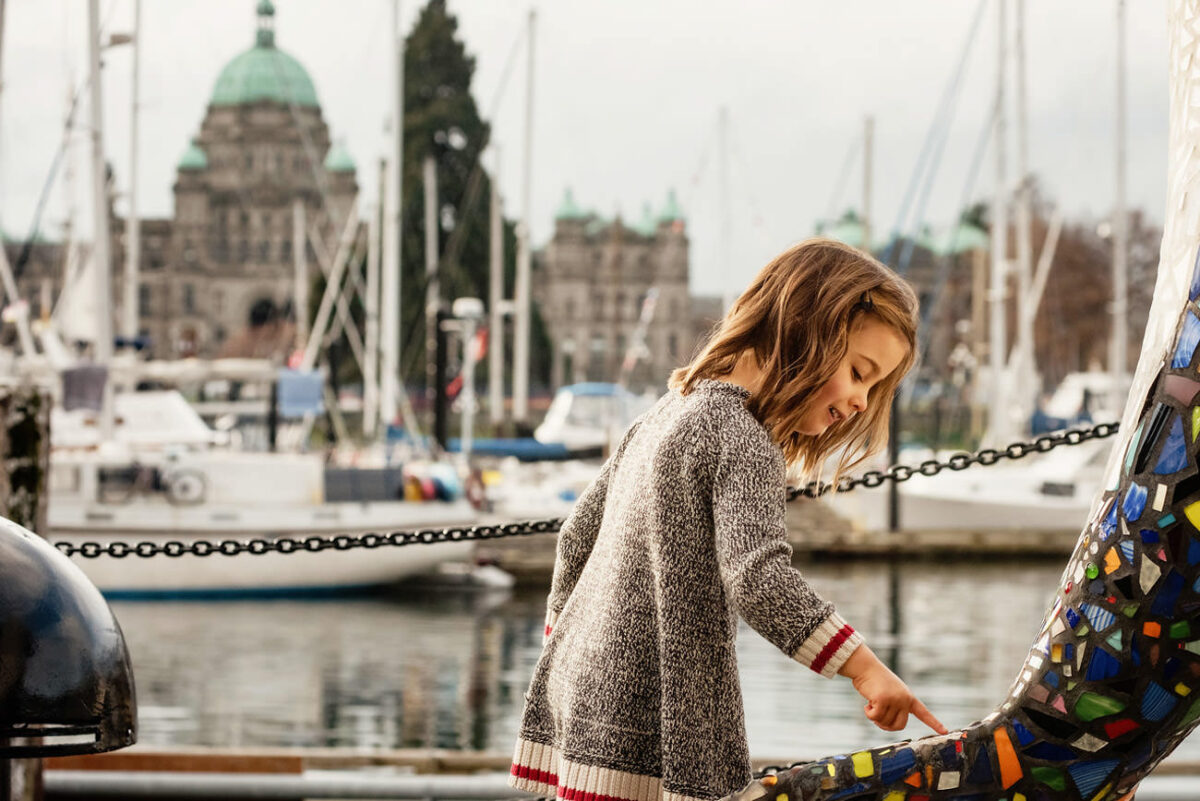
344, 542
959, 461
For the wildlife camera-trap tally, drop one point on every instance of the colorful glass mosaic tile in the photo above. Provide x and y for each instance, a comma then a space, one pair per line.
1107, 689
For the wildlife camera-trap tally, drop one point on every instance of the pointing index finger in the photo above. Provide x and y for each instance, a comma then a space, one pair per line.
926, 717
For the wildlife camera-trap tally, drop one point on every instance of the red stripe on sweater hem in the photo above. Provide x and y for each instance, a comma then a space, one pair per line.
533, 774
566, 793
571, 794
831, 647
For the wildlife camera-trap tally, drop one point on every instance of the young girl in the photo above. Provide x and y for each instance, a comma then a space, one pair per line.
636, 694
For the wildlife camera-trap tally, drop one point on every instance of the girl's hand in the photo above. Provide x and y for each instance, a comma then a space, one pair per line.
889, 701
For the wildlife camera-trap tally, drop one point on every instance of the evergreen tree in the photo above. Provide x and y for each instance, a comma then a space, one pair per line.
441, 119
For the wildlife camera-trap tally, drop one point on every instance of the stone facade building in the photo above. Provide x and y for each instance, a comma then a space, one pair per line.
594, 276
263, 144
227, 254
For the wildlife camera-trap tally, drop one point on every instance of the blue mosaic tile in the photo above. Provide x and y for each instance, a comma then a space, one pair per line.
897, 766
1102, 665
1157, 702
1088, 776
1135, 500
1189, 337
1051, 752
1174, 455
1164, 602
1099, 617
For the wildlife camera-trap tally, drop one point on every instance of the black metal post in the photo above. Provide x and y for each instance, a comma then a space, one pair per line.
273, 417
25, 452
893, 458
441, 415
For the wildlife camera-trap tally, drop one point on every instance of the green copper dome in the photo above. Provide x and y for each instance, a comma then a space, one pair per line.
339, 159
568, 209
193, 158
962, 238
848, 230
671, 211
264, 72
647, 226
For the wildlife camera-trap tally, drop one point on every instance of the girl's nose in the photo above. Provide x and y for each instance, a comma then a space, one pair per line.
858, 402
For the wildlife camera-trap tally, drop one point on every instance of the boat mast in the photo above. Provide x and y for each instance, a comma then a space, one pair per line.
1023, 363
2, 4
133, 238
390, 381
868, 147
495, 300
370, 417
1120, 232
10, 285
998, 411
432, 285
520, 404
100, 245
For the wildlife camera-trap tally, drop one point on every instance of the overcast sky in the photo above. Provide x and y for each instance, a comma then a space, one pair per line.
626, 101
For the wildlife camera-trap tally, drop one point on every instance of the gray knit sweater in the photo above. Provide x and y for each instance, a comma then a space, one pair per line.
636, 694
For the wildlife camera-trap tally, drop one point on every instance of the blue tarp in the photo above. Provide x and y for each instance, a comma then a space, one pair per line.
300, 392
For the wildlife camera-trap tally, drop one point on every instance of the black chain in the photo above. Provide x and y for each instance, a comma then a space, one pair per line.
959, 461
345, 542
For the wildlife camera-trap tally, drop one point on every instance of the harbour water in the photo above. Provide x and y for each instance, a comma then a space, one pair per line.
448, 669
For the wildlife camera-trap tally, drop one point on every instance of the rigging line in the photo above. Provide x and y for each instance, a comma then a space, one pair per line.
927, 146
509, 62
923, 200
701, 165
939, 149
757, 224
48, 185
839, 188
448, 259
944, 263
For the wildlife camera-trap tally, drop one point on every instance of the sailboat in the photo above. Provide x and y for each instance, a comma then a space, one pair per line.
1046, 492
144, 466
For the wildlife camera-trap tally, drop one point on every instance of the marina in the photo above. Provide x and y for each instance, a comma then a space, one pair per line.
286, 450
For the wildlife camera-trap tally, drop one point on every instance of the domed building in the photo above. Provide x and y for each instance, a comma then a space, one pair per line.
227, 256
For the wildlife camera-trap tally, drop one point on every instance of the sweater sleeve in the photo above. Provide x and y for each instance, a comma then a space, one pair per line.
755, 560
578, 535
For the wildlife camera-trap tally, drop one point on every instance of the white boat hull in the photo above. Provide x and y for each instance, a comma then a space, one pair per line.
299, 573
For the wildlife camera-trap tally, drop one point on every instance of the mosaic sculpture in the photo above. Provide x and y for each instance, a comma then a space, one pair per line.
1112, 682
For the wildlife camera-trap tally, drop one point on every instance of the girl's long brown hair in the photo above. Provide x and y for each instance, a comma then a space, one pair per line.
796, 318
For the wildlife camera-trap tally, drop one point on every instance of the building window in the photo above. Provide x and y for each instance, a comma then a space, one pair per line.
189, 299
243, 251
286, 250
264, 251
143, 301
673, 345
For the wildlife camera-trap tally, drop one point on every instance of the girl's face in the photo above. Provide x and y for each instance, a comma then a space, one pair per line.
875, 350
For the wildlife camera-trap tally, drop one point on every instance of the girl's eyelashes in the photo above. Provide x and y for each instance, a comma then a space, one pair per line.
857, 376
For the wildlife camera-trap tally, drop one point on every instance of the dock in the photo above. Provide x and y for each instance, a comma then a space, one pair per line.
815, 532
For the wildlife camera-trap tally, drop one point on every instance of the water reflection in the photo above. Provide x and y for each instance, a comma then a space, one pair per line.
449, 670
